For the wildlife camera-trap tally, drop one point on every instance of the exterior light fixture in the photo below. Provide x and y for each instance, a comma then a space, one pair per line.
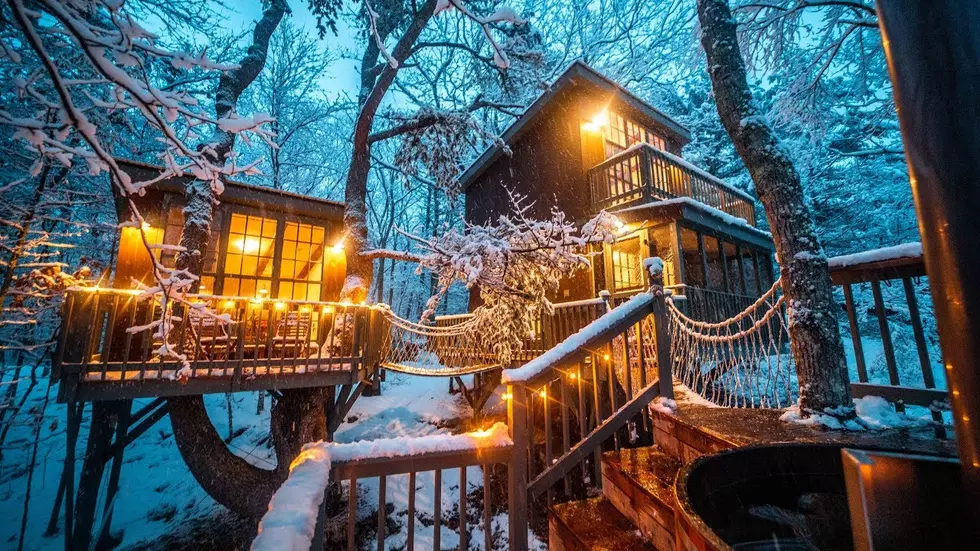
507, 396
600, 120
543, 393
605, 357
572, 376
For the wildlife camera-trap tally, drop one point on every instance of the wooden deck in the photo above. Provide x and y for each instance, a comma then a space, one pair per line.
268, 345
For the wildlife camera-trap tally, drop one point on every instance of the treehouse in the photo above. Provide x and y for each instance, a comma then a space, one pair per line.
588, 145
274, 266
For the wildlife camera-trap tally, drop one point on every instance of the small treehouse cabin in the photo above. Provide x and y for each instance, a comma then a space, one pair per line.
275, 265
586, 145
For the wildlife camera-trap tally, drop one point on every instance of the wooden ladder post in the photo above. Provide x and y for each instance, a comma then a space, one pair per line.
517, 471
655, 270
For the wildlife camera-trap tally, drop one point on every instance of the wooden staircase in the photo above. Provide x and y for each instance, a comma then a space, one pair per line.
636, 509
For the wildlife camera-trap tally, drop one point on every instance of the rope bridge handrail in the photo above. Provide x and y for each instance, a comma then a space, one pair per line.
436, 351
743, 361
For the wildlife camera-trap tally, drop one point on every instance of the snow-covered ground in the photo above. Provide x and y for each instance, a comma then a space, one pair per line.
160, 505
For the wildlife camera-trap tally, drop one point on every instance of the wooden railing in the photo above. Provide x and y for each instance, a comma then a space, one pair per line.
435, 462
644, 173
902, 272
571, 403
708, 304
567, 318
265, 340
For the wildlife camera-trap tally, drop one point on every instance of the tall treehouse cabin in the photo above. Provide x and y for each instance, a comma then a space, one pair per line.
587, 145
274, 264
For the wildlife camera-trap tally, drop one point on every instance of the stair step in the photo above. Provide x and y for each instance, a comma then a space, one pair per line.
639, 482
592, 525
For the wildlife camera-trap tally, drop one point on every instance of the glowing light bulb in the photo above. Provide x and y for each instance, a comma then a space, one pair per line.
572, 376
145, 226
280, 305
507, 396
605, 357
543, 393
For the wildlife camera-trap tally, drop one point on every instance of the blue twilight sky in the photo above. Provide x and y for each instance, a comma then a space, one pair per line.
342, 77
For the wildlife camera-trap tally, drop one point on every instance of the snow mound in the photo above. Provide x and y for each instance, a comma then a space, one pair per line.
664, 405
871, 413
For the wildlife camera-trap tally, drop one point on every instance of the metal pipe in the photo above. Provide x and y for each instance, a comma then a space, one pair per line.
933, 51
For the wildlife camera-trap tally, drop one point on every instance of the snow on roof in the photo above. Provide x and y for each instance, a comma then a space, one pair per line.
243, 185
905, 250
574, 343
290, 522
688, 201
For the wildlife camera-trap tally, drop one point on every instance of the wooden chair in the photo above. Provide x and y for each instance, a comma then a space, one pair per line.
213, 341
292, 336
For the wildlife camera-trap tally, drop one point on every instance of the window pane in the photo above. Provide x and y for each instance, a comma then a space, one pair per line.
249, 264
715, 276
231, 287
288, 269
289, 249
626, 267
693, 275
290, 231
313, 292
748, 267
237, 223
734, 276
234, 264
254, 226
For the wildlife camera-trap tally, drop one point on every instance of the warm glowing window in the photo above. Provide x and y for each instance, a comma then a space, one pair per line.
301, 271
622, 133
626, 264
248, 264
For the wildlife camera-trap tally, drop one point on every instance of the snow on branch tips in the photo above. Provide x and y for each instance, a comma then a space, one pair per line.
500, 15
516, 263
76, 66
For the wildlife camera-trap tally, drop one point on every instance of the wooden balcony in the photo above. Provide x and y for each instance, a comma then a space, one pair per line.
643, 174
268, 344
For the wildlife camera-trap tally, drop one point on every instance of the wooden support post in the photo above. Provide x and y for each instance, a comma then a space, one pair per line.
122, 413
73, 422
661, 327
517, 470
93, 467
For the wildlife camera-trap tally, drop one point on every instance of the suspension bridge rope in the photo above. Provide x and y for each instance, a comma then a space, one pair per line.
436, 351
743, 361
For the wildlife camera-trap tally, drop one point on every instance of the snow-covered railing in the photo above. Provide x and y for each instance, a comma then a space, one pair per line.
296, 520
596, 385
229, 343
643, 173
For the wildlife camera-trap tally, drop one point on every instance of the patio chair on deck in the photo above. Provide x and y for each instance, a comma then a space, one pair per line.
213, 341
292, 338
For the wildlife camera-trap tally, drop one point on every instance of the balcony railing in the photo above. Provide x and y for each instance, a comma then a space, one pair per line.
266, 341
644, 173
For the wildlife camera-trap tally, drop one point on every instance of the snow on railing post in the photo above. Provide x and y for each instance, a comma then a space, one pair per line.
655, 271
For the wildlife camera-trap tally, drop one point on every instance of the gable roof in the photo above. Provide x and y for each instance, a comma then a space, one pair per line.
241, 193
577, 73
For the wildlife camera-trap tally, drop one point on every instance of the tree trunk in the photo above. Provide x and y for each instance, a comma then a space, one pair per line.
360, 270
815, 341
229, 479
